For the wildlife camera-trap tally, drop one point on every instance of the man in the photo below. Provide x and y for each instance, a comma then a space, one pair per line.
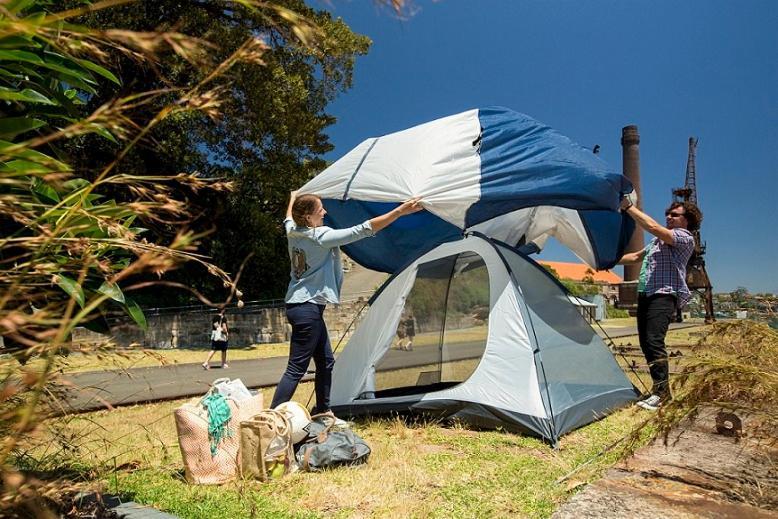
662, 286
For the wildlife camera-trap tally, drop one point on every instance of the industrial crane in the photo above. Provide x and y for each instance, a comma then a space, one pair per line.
696, 276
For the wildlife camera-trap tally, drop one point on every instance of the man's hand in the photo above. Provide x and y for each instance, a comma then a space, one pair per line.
628, 200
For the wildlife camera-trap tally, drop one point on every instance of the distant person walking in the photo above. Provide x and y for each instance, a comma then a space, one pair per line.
662, 286
220, 333
316, 278
406, 330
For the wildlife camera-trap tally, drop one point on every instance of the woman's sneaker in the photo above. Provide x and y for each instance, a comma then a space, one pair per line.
652, 403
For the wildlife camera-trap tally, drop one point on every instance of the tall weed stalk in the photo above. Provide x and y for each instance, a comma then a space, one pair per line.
73, 245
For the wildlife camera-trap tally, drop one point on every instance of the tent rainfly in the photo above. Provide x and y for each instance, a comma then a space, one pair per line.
490, 170
496, 342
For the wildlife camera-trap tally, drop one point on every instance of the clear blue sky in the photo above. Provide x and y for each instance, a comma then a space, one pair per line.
707, 68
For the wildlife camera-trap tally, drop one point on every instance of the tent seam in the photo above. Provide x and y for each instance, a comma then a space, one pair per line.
362, 161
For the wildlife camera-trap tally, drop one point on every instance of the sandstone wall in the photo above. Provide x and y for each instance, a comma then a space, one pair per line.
249, 325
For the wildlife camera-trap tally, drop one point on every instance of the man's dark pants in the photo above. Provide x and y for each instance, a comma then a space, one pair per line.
655, 313
310, 340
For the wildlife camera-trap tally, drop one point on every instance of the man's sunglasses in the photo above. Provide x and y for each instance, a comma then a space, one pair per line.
674, 215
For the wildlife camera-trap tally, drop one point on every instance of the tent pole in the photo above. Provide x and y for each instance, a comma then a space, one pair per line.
445, 316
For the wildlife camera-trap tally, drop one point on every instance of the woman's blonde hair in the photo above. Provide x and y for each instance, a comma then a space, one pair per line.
303, 206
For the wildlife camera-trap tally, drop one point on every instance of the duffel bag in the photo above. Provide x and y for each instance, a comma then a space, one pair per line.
328, 446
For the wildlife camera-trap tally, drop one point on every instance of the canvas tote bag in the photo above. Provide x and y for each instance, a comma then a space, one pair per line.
192, 427
266, 450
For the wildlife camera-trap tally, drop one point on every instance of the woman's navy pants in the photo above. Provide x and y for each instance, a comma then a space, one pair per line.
310, 340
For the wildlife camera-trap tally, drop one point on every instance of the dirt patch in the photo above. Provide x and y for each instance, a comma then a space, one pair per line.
433, 449
697, 474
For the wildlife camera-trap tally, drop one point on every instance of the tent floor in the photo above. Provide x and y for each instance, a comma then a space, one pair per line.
414, 390
394, 400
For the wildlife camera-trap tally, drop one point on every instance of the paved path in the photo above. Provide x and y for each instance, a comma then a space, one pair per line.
98, 389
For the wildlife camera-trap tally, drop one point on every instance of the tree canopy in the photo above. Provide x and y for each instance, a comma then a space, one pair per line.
585, 287
270, 135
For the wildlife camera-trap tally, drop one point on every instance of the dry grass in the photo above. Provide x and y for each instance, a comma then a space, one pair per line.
137, 358
681, 337
453, 336
733, 367
618, 322
415, 470
125, 358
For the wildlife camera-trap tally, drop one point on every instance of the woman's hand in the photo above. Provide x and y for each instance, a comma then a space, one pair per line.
292, 197
410, 206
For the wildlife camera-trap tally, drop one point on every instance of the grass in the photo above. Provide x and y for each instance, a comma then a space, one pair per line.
681, 337
618, 322
126, 358
417, 469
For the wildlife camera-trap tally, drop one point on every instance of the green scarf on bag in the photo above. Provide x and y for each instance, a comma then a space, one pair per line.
219, 415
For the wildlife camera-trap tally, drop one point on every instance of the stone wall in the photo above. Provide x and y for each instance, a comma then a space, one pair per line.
249, 325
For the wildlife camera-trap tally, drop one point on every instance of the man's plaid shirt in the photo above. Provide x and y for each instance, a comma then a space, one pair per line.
664, 267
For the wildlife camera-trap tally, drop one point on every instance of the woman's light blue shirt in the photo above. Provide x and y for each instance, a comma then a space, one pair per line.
317, 274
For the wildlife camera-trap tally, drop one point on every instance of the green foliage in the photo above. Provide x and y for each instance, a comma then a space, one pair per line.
740, 295
267, 140
39, 80
47, 211
74, 238
437, 294
615, 313
469, 291
576, 288
580, 289
101, 171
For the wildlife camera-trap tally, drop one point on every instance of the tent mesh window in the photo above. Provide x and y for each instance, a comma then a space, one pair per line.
442, 331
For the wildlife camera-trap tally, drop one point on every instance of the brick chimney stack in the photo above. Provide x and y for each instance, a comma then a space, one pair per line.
630, 146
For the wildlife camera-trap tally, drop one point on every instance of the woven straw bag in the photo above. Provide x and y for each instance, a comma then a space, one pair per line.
192, 426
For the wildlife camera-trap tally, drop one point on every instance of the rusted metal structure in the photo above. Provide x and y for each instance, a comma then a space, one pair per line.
696, 275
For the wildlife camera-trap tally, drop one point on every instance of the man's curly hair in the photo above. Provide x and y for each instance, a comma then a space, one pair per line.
691, 212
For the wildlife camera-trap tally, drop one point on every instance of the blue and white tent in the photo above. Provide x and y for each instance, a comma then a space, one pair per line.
496, 341
489, 170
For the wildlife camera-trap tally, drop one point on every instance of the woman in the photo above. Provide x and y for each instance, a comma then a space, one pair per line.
316, 279
220, 333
